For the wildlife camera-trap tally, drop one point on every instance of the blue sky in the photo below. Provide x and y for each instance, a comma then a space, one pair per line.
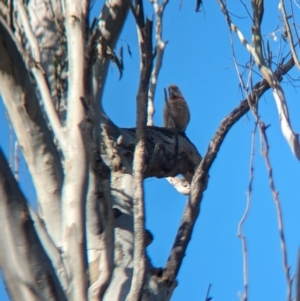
198, 59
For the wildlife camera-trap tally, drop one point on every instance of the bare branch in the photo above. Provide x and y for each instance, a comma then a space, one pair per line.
22, 255
240, 234
207, 298
100, 229
265, 153
244, 296
255, 51
199, 181
291, 137
258, 12
159, 47
32, 132
289, 33
139, 259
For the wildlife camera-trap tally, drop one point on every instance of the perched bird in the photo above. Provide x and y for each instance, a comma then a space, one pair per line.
180, 113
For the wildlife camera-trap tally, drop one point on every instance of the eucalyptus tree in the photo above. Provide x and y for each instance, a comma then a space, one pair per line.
87, 240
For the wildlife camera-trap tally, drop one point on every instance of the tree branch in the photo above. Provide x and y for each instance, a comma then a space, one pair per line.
22, 256
159, 47
139, 258
256, 50
199, 181
32, 132
160, 152
244, 295
99, 215
76, 163
289, 33
265, 154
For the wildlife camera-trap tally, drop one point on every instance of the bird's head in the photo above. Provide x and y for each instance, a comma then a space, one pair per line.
174, 92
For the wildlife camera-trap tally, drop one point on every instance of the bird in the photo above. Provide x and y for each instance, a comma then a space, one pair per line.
180, 113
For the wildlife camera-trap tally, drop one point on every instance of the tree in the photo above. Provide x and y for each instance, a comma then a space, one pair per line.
88, 173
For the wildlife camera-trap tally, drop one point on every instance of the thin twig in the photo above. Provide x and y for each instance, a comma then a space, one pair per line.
207, 298
274, 193
297, 4
244, 296
243, 219
255, 51
265, 153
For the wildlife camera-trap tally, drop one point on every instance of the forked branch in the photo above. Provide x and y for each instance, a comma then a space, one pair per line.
199, 181
256, 51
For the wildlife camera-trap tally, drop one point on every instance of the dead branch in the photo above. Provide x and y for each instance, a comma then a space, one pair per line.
199, 181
